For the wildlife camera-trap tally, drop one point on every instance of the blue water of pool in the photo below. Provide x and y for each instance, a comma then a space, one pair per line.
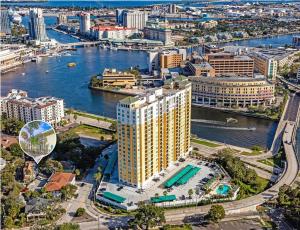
223, 189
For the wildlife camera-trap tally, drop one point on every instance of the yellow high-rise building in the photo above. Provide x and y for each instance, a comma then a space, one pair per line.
153, 132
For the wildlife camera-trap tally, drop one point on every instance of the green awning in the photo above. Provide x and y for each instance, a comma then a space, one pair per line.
113, 197
169, 183
160, 199
188, 176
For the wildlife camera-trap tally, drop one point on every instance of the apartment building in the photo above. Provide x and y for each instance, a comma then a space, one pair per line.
153, 132
159, 31
230, 91
201, 69
18, 106
112, 77
131, 18
228, 63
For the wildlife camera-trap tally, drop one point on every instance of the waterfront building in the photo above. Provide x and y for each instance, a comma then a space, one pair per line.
153, 132
172, 8
36, 25
112, 77
119, 16
232, 91
201, 69
296, 40
268, 61
62, 19
228, 63
11, 58
298, 74
153, 60
172, 58
5, 25
18, 106
111, 32
84, 23
132, 18
158, 30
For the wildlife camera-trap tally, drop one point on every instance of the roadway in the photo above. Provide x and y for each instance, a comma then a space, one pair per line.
249, 204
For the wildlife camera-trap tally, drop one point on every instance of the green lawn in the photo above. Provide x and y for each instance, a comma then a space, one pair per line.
252, 153
92, 132
93, 116
273, 161
206, 143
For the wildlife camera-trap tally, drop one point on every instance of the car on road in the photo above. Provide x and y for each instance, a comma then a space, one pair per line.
120, 188
82, 184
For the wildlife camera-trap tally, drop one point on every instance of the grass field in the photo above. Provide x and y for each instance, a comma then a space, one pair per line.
206, 143
252, 153
93, 116
94, 132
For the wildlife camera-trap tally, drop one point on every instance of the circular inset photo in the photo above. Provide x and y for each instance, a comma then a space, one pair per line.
37, 139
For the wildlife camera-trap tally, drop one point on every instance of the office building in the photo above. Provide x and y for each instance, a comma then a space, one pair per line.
36, 25
268, 61
84, 23
201, 69
159, 31
62, 19
5, 26
153, 61
153, 132
132, 18
265, 65
111, 32
18, 106
112, 77
232, 91
228, 63
172, 9
119, 16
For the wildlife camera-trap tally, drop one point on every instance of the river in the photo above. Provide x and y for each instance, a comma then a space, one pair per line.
71, 85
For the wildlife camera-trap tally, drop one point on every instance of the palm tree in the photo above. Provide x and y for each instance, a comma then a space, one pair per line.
97, 177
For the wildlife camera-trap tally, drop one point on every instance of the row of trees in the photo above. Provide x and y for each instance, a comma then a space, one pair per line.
150, 216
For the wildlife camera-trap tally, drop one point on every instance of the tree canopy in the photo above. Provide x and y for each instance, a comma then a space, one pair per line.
148, 216
216, 213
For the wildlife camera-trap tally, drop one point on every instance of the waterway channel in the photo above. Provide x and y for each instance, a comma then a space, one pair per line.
71, 85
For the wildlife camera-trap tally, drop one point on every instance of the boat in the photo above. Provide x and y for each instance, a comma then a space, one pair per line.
47, 71
71, 64
23, 74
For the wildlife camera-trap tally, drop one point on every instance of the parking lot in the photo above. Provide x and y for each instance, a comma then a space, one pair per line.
156, 186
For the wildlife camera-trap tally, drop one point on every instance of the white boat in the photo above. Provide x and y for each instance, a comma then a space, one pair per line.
47, 71
23, 74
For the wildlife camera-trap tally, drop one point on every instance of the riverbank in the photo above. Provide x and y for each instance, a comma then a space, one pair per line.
126, 92
233, 111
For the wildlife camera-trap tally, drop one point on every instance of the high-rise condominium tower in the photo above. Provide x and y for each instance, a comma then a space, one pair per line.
153, 132
37, 28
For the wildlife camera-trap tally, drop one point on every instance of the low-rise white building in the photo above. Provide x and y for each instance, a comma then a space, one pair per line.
17, 105
111, 32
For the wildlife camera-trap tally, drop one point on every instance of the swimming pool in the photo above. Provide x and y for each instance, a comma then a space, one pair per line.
223, 189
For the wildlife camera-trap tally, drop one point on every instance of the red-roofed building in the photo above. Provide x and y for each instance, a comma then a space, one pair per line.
59, 180
111, 32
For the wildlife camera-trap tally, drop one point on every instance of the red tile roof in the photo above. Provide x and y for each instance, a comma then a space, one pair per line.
58, 180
